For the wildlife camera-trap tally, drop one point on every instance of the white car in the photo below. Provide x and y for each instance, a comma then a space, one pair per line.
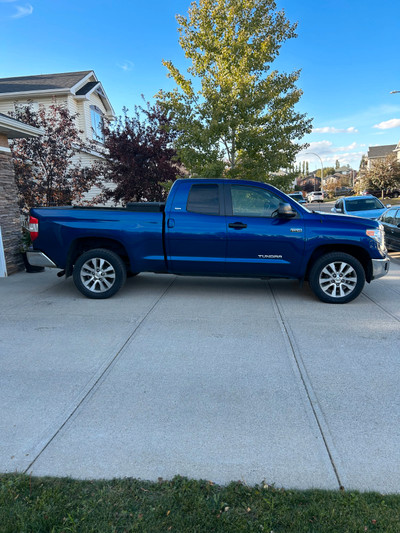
315, 196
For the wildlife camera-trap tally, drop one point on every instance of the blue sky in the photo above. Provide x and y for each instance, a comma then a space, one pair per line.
347, 50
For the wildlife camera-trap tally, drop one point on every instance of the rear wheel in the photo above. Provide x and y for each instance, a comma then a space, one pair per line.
337, 278
99, 273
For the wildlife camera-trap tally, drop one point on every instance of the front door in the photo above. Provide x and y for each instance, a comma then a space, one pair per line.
259, 243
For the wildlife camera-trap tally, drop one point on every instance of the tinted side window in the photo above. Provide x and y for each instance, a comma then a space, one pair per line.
388, 217
203, 199
253, 201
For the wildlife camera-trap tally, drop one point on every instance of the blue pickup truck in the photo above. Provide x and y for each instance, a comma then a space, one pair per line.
211, 228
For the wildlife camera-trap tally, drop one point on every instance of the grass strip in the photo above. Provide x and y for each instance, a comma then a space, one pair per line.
34, 504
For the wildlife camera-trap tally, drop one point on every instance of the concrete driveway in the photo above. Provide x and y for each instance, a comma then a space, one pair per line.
222, 379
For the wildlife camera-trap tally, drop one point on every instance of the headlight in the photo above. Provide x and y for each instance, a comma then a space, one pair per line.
378, 234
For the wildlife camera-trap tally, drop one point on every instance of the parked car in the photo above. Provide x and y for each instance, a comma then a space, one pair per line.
298, 197
388, 193
210, 227
391, 223
343, 191
315, 196
360, 206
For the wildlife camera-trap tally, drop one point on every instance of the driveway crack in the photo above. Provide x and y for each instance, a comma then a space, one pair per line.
91, 385
306, 382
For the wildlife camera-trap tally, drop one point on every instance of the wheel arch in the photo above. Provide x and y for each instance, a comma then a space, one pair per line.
353, 250
84, 244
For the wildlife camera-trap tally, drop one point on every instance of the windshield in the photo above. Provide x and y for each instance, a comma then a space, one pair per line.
363, 204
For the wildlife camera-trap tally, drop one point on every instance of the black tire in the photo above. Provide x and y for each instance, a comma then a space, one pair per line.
99, 273
337, 278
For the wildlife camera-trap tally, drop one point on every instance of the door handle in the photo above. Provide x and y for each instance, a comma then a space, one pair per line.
171, 223
237, 225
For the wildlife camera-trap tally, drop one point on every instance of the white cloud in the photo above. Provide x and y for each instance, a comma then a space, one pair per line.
351, 146
330, 154
388, 124
126, 65
23, 11
331, 129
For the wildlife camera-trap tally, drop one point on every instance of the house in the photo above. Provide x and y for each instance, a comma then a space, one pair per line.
379, 152
81, 92
309, 183
397, 151
10, 223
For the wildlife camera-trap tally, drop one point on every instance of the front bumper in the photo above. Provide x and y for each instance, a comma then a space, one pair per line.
380, 267
36, 258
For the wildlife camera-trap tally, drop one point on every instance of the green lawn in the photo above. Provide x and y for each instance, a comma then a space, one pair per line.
64, 505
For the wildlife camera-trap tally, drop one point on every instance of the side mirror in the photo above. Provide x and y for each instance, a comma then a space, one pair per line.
388, 205
286, 211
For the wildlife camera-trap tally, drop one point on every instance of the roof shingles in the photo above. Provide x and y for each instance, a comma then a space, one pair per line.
42, 82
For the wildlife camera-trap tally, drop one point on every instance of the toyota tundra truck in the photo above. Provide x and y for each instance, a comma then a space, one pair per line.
210, 227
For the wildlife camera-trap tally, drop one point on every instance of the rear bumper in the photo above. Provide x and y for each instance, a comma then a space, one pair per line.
380, 267
39, 259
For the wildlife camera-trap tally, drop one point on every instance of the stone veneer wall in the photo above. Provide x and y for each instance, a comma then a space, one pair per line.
10, 221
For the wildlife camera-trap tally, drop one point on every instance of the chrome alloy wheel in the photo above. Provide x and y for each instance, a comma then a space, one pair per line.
338, 279
97, 275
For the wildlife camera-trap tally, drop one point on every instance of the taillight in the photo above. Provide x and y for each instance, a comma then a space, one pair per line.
33, 228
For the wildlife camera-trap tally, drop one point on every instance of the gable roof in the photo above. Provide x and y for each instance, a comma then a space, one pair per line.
380, 151
87, 88
79, 84
42, 82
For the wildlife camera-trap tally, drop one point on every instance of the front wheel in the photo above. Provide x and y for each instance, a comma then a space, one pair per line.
337, 278
99, 273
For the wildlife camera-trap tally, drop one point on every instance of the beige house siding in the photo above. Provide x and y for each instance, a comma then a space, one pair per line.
74, 106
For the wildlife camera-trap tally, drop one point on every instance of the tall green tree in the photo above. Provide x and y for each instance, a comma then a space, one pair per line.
327, 172
235, 115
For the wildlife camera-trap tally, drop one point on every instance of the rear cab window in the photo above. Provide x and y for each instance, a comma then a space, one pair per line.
204, 199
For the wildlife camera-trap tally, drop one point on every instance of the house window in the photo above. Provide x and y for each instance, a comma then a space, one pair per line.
20, 106
97, 123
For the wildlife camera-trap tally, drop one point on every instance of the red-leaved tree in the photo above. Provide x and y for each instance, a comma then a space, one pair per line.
48, 171
140, 158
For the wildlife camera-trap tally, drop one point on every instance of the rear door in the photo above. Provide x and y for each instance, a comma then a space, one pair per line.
258, 242
196, 229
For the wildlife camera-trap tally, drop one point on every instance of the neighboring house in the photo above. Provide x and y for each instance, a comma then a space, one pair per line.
309, 183
397, 150
81, 92
375, 153
343, 170
333, 179
10, 220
